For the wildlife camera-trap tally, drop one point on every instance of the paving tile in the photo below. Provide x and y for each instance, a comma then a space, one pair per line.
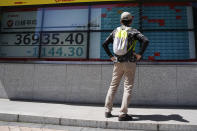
52, 130
36, 129
25, 128
62, 128
14, 128
4, 128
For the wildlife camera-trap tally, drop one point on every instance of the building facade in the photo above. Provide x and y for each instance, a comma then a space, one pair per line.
53, 51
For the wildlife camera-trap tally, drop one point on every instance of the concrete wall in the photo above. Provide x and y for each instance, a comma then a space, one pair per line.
154, 84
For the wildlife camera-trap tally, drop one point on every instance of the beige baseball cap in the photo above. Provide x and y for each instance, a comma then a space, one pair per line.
126, 16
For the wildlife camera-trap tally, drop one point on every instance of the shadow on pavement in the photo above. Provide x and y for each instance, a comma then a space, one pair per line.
157, 117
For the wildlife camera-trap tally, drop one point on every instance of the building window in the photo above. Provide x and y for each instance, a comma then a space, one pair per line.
20, 33
77, 32
65, 32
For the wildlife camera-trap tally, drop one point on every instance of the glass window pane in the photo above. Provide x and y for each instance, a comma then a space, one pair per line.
95, 45
167, 16
20, 33
66, 18
64, 45
95, 21
107, 17
62, 37
21, 20
103, 54
168, 46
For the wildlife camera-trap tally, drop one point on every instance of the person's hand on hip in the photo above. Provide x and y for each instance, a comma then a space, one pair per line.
138, 56
113, 58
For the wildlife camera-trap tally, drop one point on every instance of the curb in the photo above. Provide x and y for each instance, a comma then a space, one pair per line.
96, 124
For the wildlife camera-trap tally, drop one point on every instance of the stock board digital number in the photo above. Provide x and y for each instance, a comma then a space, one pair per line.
60, 51
72, 38
46, 38
50, 38
27, 39
70, 52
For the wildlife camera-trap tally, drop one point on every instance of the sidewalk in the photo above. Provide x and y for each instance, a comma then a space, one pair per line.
156, 119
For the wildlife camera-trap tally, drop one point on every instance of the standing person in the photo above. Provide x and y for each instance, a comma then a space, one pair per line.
124, 39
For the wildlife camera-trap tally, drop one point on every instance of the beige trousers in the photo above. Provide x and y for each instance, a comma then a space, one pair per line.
126, 69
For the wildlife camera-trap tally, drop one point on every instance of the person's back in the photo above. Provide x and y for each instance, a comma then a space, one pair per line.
120, 42
123, 39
